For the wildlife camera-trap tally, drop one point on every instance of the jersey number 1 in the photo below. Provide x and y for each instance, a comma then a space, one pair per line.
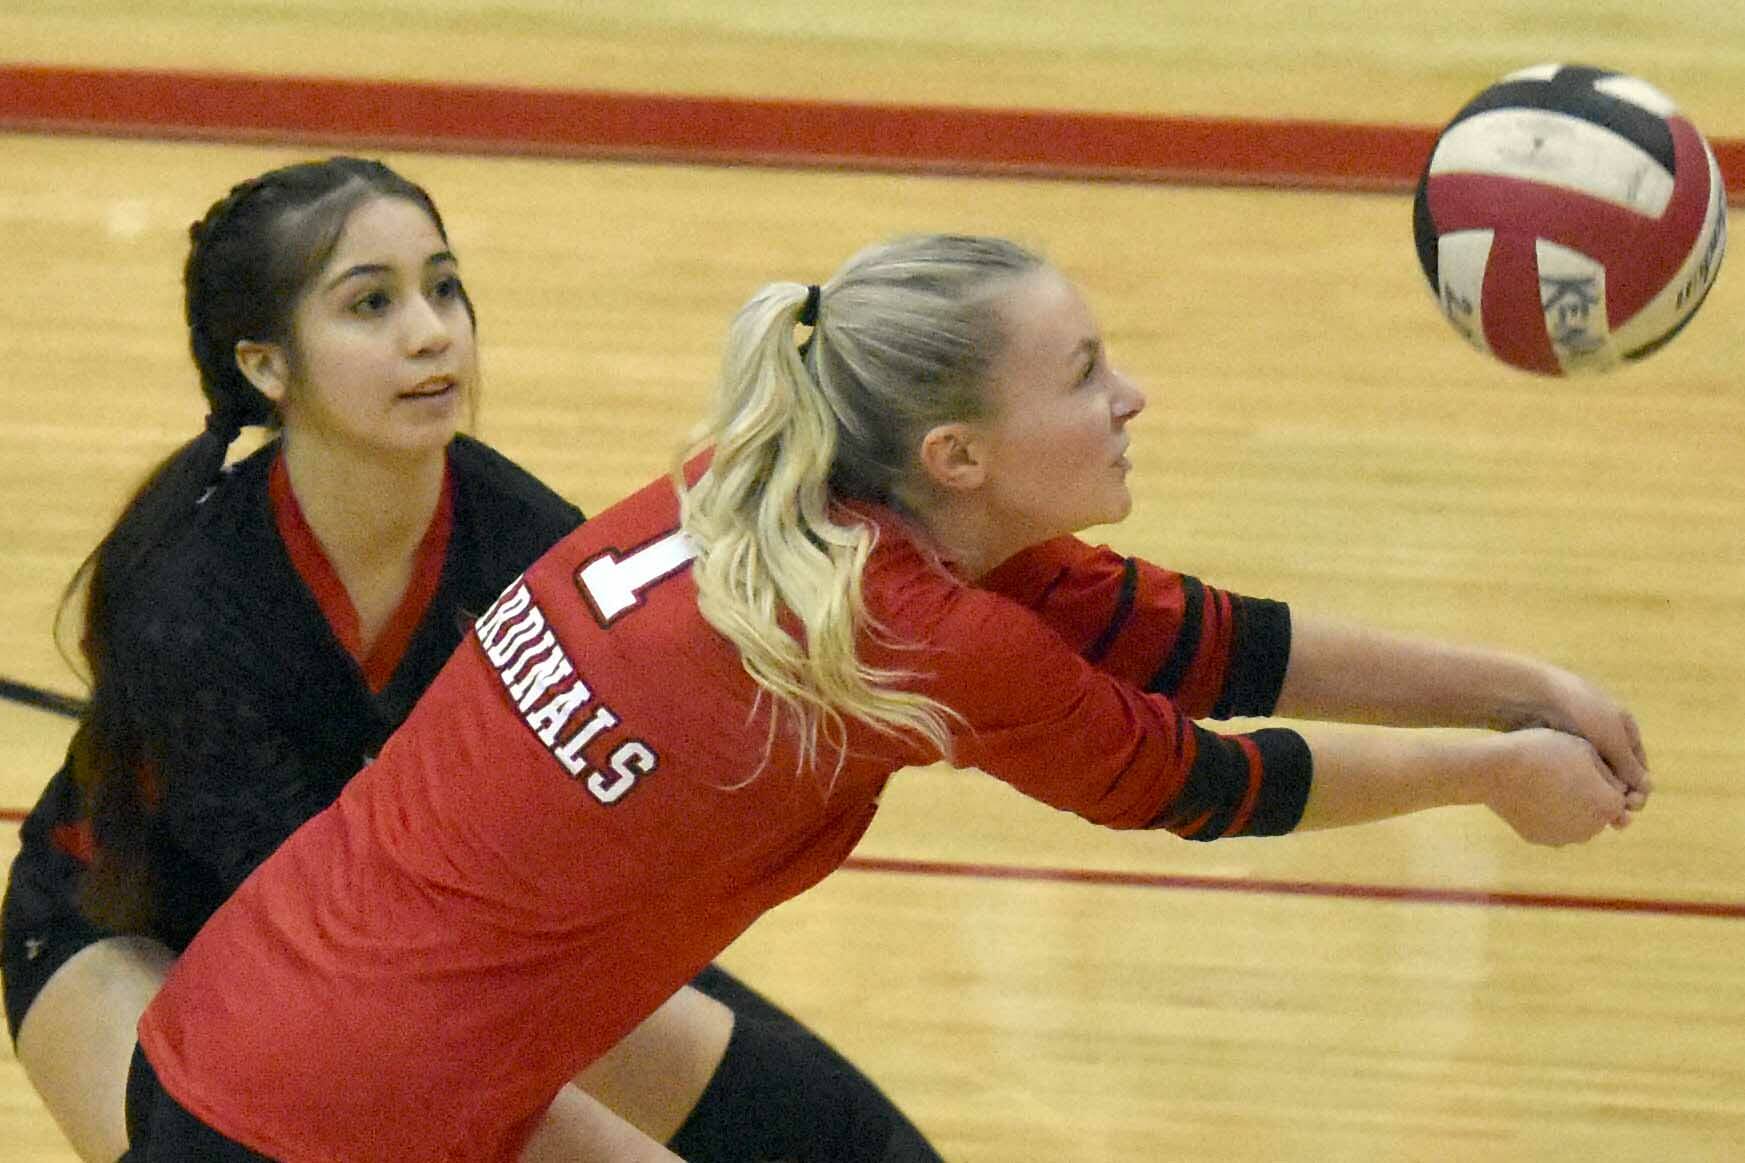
614, 585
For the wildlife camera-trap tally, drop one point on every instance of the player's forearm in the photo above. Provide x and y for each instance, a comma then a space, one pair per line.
1363, 774
1341, 672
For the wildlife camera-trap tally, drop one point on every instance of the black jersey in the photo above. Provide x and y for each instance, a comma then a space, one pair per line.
255, 715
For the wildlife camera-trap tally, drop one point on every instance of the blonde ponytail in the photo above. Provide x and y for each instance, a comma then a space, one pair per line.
902, 340
760, 518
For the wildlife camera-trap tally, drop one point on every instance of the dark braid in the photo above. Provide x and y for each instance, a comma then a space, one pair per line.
249, 259
217, 244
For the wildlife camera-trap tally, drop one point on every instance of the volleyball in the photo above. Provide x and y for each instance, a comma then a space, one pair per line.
1570, 220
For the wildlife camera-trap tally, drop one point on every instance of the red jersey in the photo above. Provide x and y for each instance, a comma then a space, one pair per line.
579, 814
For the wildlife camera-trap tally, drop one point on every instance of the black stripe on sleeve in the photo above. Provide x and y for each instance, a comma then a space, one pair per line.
1289, 768
1260, 650
1217, 785
1123, 610
1187, 641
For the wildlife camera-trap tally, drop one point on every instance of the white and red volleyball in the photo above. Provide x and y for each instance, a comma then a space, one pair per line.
1570, 220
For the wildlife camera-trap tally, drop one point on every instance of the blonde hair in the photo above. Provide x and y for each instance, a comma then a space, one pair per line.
903, 341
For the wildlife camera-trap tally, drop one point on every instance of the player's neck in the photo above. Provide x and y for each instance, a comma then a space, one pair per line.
969, 535
362, 505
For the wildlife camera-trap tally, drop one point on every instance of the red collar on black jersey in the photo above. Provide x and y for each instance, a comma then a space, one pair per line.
318, 574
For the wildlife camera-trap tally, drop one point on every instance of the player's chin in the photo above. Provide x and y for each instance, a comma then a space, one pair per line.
1116, 507
422, 435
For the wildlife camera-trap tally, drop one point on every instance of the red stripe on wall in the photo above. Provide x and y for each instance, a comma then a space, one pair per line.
717, 130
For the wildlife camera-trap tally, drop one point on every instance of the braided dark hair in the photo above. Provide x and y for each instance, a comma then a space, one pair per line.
249, 259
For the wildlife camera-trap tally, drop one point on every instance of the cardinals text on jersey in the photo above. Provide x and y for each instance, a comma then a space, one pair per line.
554, 701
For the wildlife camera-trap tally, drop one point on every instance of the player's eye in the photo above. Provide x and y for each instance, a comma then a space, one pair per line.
371, 303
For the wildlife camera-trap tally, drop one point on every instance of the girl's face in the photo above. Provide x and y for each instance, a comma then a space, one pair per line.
383, 353
1055, 446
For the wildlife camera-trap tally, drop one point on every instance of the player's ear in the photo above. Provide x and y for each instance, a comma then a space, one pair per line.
954, 457
265, 366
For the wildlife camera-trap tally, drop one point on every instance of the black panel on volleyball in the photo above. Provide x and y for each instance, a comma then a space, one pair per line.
1425, 231
1571, 91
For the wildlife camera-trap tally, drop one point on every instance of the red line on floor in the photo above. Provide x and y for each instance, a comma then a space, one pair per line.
723, 130
1261, 887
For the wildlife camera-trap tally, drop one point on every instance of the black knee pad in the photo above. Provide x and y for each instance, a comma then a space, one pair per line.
783, 1095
